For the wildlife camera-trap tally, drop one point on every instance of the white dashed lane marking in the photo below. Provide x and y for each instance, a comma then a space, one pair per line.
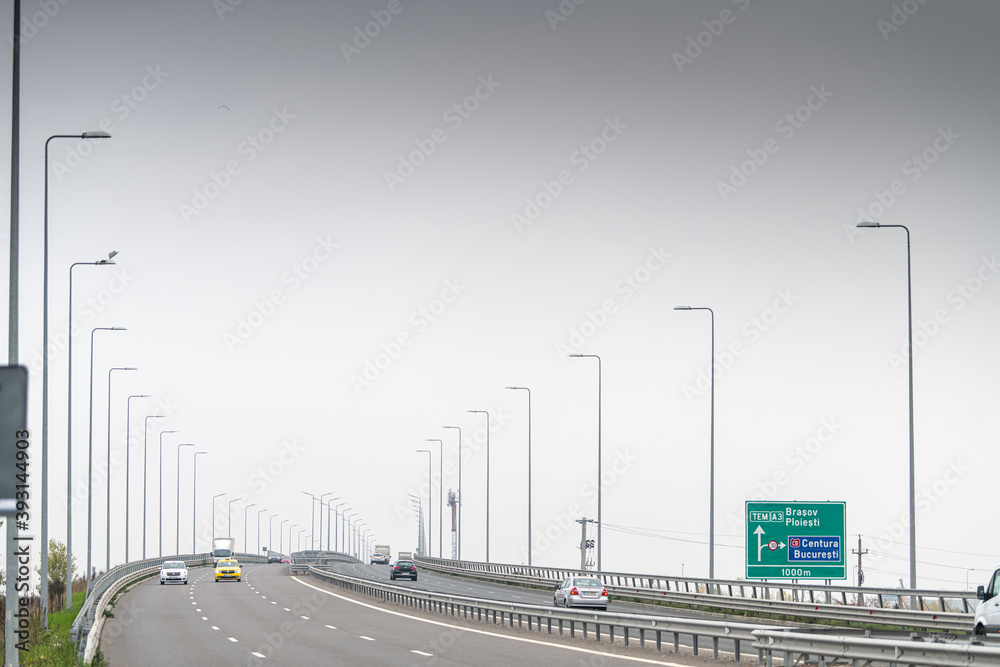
429, 655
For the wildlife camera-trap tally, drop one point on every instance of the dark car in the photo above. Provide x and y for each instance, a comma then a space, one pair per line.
405, 569
274, 558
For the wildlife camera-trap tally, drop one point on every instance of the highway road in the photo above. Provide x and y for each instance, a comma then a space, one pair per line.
273, 618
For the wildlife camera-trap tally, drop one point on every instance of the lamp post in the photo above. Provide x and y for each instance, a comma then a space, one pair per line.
128, 450
529, 468
711, 455
263, 509
459, 509
229, 518
69, 450
281, 536
245, 526
440, 493
145, 455
194, 504
44, 571
600, 542
430, 486
346, 530
218, 495
270, 533
177, 513
90, 464
160, 509
487, 480
312, 510
909, 331
336, 520
328, 493
107, 531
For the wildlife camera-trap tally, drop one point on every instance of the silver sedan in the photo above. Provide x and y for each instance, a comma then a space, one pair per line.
581, 592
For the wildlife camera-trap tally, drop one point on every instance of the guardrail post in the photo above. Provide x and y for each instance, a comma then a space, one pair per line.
694, 643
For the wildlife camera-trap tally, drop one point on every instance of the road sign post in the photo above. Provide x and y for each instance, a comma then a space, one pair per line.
796, 540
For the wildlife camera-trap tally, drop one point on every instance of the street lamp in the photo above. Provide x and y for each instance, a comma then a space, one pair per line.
336, 520
263, 509
90, 463
270, 533
108, 474
440, 493
430, 485
245, 526
69, 452
459, 508
600, 543
909, 314
281, 536
44, 572
194, 504
487, 480
145, 455
328, 493
346, 530
218, 495
529, 468
128, 449
711, 454
312, 510
177, 513
160, 510
229, 518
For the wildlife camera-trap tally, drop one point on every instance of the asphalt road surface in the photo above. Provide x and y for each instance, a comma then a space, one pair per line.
273, 618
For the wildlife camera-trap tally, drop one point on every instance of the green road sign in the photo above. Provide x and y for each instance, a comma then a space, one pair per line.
796, 540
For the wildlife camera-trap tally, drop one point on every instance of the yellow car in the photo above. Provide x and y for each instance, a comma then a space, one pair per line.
228, 569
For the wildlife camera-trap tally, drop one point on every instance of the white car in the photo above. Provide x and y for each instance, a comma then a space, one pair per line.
987, 617
173, 570
581, 592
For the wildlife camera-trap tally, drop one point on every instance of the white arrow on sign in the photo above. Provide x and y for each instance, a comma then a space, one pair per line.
761, 544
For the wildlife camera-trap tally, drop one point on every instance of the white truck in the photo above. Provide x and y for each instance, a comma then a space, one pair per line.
382, 555
405, 555
223, 548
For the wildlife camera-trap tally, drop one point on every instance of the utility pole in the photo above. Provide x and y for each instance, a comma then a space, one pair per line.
861, 573
584, 542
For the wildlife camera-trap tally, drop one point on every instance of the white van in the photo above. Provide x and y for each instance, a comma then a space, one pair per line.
987, 617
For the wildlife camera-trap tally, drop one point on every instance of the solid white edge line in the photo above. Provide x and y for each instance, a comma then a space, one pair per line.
493, 634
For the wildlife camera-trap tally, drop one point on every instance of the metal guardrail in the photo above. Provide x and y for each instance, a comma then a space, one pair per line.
301, 561
788, 644
602, 625
796, 645
919, 609
922, 620
86, 630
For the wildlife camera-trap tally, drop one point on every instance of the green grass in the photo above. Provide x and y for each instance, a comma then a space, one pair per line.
53, 647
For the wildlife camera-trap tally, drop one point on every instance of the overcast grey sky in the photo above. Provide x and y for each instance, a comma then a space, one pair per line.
341, 226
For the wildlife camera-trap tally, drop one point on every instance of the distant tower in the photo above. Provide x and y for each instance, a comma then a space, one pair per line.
453, 504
